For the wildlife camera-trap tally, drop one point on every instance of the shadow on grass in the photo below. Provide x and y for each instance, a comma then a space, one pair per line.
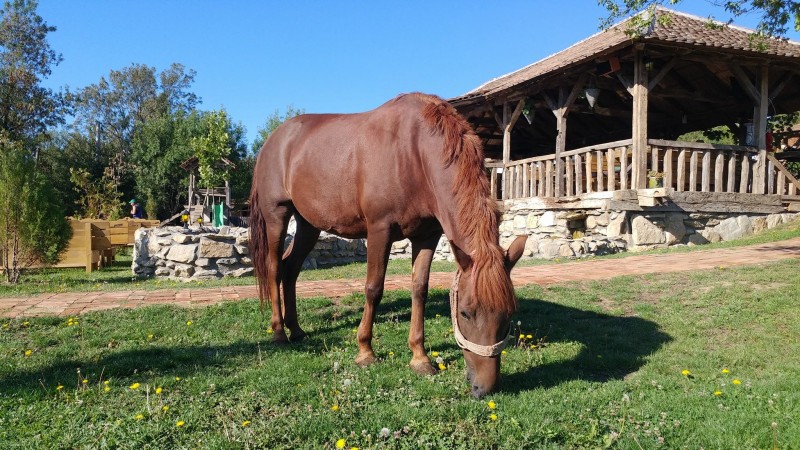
611, 347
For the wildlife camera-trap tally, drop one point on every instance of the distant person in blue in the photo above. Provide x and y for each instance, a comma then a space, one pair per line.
136, 210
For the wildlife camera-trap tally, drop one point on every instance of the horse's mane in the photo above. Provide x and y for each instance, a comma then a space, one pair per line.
476, 212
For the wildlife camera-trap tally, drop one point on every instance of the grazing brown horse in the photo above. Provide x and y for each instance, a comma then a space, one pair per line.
412, 168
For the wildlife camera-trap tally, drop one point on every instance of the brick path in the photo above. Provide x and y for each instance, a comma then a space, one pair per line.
70, 304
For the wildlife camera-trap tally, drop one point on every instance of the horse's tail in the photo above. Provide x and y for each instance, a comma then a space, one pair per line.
259, 247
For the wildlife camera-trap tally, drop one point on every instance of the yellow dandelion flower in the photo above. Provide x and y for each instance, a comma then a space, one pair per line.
245, 423
530, 336
139, 416
135, 386
353, 448
491, 404
28, 352
106, 388
533, 345
59, 387
717, 393
335, 408
106, 382
355, 330
26, 323
165, 408
269, 331
442, 366
726, 371
189, 323
391, 353
503, 352
149, 336
737, 382
180, 423
177, 378
438, 316
340, 443
493, 417
521, 336
434, 354
685, 373
84, 381
159, 390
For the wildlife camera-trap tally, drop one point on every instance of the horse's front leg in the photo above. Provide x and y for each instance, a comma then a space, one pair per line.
377, 258
422, 251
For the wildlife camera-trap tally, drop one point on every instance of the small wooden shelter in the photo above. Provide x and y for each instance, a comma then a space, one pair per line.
200, 199
627, 95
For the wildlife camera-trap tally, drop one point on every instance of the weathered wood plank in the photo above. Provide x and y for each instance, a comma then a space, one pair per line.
706, 177
612, 180
719, 172
669, 153
569, 172
731, 173
548, 169
578, 174
681, 181
744, 180
623, 171
599, 159
693, 172
589, 179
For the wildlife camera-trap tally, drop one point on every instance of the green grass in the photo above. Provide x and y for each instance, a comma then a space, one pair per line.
605, 372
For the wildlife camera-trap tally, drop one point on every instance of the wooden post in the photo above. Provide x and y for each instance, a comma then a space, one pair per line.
760, 132
87, 239
639, 134
509, 120
561, 110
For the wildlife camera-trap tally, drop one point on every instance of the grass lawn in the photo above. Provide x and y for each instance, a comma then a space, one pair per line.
683, 360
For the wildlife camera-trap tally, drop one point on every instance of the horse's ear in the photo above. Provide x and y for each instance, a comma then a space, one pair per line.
514, 252
464, 260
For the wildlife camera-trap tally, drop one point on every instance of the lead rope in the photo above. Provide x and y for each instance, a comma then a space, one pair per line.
478, 349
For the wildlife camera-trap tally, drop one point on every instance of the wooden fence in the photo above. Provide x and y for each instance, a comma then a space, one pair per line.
683, 166
93, 241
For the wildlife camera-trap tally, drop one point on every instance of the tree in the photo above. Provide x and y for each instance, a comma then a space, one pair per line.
212, 146
776, 16
27, 110
32, 225
110, 112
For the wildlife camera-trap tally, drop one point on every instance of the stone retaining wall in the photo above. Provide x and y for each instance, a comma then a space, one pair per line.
196, 254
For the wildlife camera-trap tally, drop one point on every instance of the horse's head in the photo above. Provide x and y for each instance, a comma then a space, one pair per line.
482, 325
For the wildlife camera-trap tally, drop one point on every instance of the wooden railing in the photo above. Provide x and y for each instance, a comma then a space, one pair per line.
685, 166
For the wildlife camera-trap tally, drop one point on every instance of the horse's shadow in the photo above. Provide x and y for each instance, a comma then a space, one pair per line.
609, 347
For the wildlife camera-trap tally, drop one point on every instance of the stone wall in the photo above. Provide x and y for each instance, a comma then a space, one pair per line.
196, 254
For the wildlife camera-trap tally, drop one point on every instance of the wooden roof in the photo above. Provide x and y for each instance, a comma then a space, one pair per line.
695, 67
680, 30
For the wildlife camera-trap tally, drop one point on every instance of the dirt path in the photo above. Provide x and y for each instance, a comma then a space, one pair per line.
70, 304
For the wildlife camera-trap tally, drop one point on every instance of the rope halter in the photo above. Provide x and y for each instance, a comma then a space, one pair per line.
478, 349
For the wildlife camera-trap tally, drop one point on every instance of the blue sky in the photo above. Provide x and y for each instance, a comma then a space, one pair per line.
255, 57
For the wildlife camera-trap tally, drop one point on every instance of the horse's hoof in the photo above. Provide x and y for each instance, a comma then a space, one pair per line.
422, 368
366, 360
298, 335
280, 338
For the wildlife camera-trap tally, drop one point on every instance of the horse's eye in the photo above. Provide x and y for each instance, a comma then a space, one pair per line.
465, 315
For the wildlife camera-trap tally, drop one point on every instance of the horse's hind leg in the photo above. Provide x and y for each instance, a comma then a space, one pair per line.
422, 251
277, 219
304, 239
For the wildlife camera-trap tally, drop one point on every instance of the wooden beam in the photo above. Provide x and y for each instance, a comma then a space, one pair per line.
626, 82
639, 126
745, 82
662, 73
760, 132
774, 92
509, 120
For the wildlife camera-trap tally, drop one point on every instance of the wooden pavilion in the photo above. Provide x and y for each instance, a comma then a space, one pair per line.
627, 93
200, 200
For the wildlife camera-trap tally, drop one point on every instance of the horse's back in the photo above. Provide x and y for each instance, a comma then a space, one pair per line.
342, 170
